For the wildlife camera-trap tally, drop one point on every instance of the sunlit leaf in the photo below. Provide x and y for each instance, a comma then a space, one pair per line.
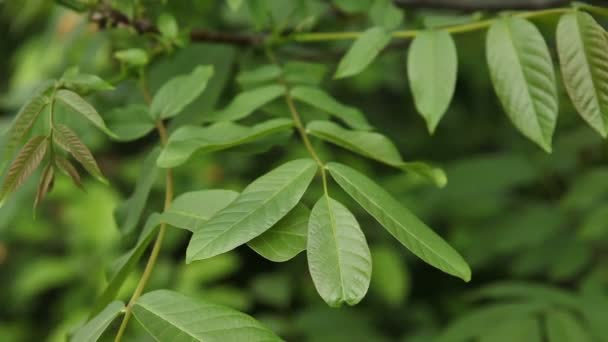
582, 46
318, 98
69, 141
167, 25
432, 66
95, 327
363, 51
247, 102
188, 140
400, 222
262, 204
339, 259
522, 74
82, 107
192, 209
179, 92
168, 315
286, 239
134, 56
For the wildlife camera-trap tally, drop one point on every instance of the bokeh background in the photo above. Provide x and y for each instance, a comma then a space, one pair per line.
533, 226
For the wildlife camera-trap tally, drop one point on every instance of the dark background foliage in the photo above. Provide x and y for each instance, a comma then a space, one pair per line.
525, 220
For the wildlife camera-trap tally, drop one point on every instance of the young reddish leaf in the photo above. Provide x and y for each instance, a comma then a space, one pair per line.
24, 121
24, 164
69, 141
69, 170
46, 180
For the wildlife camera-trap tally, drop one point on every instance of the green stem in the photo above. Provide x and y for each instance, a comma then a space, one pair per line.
462, 28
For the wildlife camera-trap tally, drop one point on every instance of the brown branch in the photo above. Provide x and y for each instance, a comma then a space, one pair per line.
481, 5
109, 17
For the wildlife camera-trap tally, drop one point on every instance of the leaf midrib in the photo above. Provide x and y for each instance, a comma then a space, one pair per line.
332, 222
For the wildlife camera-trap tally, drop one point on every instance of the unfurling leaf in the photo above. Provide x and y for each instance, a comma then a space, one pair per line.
262, 204
25, 163
320, 99
582, 46
82, 107
400, 222
222, 135
46, 181
374, 146
286, 239
339, 259
68, 169
523, 77
247, 102
192, 209
95, 327
69, 141
23, 123
432, 65
179, 92
363, 51
171, 316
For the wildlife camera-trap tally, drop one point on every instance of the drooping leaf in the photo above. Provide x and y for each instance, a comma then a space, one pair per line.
130, 122
363, 51
192, 209
167, 25
46, 179
222, 135
247, 102
68, 169
262, 204
23, 123
126, 264
318, 98
171, 316
179, 91
400, 222
69, 141
95, 327
82, 107
374, 146
25, 163
582, 46
286, 239
523, 78
339, 259
261, 74
128, 213
562, 326
432, 65
384, 13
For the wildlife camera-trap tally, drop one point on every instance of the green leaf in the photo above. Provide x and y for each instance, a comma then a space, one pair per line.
222, 135
126, 264
247, 102
384, 13
562, 326
390, 276
515, 329
262, 74
178, 92
170, 316
167, 25
286, 239
582, 47
262, 204
84, 83
363, 51
514, 290
23, 122
69, 141
192, 209
130, 122
353, 6
432, 66
522, 74
133, 57
95, 327
400, 222
318, 98
25, 163
374, 146
234, 4
128, 213
297, 72
82, 107
339, 259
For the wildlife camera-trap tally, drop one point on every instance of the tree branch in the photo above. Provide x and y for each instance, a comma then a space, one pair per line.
109, 17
